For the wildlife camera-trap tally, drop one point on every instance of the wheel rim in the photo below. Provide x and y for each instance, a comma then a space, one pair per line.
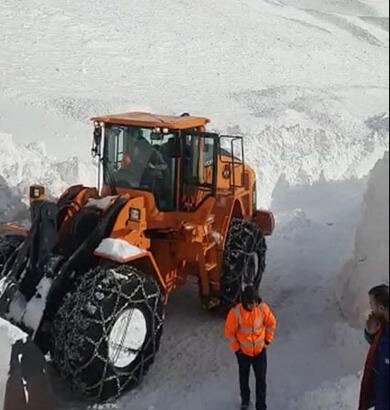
127, 337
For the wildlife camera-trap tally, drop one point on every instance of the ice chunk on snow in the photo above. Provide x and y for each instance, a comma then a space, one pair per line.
118, 250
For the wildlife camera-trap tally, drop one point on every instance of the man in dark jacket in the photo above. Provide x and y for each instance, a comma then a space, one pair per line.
375, 383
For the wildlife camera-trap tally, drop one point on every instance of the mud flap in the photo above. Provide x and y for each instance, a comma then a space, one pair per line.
24, 382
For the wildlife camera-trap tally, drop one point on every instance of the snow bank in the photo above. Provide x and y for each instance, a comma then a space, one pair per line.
369, 265
306, 135
304, 156
11, 205
341, 395
23, 165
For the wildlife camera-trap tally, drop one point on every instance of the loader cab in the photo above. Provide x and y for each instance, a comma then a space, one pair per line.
139, 158
170, 157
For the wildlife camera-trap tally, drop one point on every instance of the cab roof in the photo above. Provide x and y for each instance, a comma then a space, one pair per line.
148, 120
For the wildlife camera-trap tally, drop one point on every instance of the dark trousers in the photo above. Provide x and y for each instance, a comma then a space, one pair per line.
259, 364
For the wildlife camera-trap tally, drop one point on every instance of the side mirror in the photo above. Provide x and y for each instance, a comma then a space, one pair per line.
97, 140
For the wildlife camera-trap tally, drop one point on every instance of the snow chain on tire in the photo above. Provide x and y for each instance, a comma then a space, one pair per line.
244, 239
82, 326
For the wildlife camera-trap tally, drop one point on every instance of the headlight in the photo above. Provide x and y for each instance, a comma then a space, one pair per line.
37, 192
135, 214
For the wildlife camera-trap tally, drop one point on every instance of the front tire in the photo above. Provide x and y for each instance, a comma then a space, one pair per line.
243, 260
105, 335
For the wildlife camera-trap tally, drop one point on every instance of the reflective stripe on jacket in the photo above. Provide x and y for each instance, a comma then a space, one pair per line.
250, 331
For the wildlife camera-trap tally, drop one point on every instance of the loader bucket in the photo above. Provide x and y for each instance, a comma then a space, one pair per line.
24, 382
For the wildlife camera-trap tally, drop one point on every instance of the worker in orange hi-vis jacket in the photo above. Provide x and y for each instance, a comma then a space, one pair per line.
250, 327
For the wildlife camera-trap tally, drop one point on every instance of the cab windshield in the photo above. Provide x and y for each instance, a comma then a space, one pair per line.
138, 158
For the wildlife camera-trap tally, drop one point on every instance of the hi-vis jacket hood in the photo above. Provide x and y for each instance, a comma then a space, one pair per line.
250, 331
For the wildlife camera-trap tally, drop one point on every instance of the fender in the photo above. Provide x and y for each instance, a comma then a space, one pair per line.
265, 220
121, 251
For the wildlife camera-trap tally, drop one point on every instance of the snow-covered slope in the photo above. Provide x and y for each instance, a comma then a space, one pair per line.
171, 53
290, 75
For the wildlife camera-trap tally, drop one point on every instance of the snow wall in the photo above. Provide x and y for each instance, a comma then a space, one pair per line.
24, 165
369, 265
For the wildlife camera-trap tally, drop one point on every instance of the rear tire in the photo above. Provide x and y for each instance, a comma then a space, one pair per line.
8, 245
243, 260
105, 335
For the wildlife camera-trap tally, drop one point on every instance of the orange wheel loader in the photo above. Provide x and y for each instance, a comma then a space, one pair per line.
90, 279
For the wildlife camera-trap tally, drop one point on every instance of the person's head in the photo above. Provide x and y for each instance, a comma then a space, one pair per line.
249, 298
126, 161
379, 301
